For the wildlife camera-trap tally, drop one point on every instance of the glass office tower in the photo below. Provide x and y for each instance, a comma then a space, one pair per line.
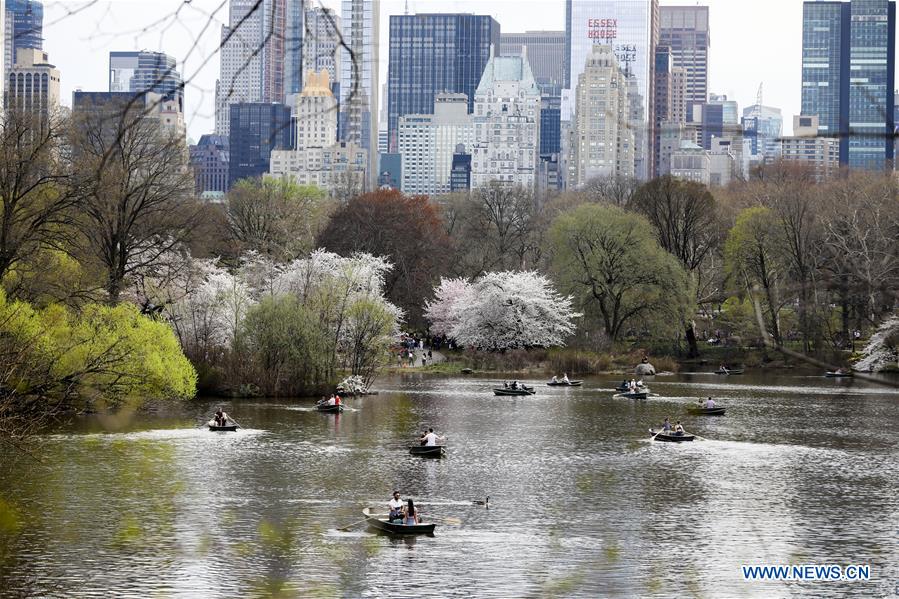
431, 54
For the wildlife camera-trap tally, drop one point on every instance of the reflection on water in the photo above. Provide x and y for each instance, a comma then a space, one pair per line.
800, 470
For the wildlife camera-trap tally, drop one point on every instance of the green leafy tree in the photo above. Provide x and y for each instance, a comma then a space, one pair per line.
610, 260
754, 259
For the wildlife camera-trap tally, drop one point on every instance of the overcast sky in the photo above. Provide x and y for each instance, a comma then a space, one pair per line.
752, 41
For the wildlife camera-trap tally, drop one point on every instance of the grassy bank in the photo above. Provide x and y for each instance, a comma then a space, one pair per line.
539, 361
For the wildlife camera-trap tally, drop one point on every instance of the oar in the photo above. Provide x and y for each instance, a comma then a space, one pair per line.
239, 425
445, 520
653, 438
349, 526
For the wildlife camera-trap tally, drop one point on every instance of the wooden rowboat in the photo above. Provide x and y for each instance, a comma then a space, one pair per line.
670, 437
838, 375
428, 451
698, 411
227, 428
329, 409
380, 522
564, 384
636, 395
729, 371
525, 391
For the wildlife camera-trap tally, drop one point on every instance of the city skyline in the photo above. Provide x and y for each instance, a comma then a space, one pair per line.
82, 59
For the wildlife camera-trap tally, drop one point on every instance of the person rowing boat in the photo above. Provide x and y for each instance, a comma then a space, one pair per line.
220, 417
430, 438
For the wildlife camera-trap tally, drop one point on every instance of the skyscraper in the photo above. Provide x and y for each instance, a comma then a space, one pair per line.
546, 54
427, 143
242, 62
293, 47
359, 77
145, 71
28, 23
848, 76
256, 129
685, 31
631, 28
322, 42
33, 84
602, 143
433, 53
825, 61
261, 53
872, 77
507, 124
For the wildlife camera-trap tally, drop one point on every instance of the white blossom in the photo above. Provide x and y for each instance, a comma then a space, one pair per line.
881, 350
503, 310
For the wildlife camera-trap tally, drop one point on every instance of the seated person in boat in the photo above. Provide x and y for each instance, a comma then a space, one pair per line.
423, 438
514, 385
336, 400
565, 378
430, 438
395, 506
723, 368
666, 426
332, 401
632, 386
678, 429
709, 403
624, 384
412, 517
555, 379
220, 418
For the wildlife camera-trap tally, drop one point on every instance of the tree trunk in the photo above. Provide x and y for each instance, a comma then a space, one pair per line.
692, 345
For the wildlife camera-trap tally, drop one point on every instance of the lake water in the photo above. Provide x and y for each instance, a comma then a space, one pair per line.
801, 470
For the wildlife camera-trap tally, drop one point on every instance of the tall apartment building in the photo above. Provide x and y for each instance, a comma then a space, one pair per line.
808, 147
145, 71
32, 84
685, 31
427, 143
602, 142
431, 54
242, 62
322, 42
507, 124
316, 113
359, 85
848, 77
669, 99
260, 55
631, 28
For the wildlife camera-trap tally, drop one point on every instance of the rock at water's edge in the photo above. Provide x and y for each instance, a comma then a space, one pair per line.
645, 369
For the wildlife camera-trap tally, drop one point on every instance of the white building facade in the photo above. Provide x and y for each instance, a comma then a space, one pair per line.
427, 143
507, 124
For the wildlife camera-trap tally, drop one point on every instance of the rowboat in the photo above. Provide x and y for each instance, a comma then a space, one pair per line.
635, 395
428, 451
838, 374
525, 391
380, 522
671, 437
625, 389
699, 411
330, 409
729, 371
564, 384
227, 428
